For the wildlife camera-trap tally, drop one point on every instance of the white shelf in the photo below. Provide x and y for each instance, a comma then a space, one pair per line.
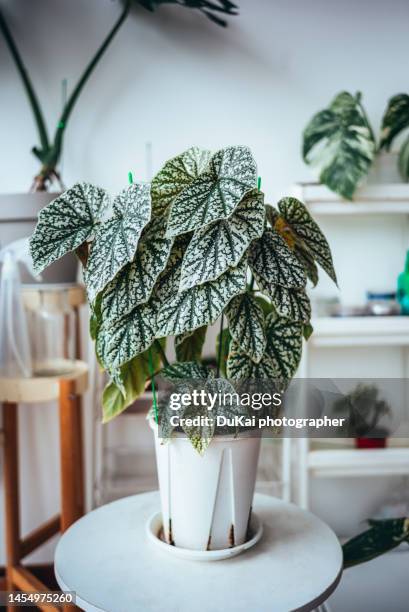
358, 462
385, 199
360, 331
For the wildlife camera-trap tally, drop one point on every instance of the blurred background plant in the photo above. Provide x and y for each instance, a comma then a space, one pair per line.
49, 150
364, 409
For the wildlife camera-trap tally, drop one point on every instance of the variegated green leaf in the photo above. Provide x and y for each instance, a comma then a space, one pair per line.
116, 240
134, 283
201, 432
175, 176
168, 281
293, 304
215, 194
394, 120
346, 144
383, 536
247, 325
307, 262
220, 245
65, 223
130, 335
284, 345
304, 227
187, 370
274, 263
189, 346
201, 305
241, 367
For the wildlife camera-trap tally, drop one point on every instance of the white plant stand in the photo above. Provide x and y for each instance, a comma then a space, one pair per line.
107, 559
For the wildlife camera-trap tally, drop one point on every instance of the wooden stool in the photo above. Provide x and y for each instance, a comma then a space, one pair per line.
67, 390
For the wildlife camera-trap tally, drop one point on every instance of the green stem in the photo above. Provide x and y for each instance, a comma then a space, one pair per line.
32, 97
161, 352
219, 356
82, 81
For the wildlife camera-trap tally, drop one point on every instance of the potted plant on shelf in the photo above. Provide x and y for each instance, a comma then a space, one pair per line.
364, 409
197, 245
48, 150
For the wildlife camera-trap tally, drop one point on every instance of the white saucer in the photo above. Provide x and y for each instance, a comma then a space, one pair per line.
154, 527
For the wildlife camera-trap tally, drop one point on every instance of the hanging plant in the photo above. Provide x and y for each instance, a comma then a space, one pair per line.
49, 149
197, 245
340, 143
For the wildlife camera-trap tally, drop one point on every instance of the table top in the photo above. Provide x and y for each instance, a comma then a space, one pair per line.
107, 559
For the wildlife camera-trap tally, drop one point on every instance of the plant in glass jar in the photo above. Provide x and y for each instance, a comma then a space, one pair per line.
168, 260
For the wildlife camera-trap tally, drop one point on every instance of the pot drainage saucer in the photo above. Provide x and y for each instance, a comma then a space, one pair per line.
154, 531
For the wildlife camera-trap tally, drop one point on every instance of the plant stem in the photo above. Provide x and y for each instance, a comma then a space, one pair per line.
161, 352
82, 81
219, 356
32, 97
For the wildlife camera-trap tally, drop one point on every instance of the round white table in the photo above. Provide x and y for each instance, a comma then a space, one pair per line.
107, 559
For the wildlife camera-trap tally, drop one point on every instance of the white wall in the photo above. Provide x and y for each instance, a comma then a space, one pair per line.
175, 79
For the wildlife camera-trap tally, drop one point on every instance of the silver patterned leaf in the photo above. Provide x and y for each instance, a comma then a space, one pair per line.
271, 260
168, 281
215, 194
307, 260
241, 367
284, 345
247, 325
304, 227
200, 305
65, 223
294, 304
220, 245
116, 240
134, 283
175, 175
189, 346
130, 335
340, 142
187, 370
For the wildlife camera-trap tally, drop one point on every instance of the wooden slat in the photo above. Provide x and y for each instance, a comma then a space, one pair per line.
26, 581
40, 535
71, 460
11, 489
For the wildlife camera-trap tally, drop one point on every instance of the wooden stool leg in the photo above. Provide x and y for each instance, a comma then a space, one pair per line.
72, 495
11, 490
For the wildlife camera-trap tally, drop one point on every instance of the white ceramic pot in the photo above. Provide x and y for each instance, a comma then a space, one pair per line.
206, 500
18, 217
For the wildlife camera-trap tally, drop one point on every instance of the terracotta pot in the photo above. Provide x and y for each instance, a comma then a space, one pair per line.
370, 442
18, 217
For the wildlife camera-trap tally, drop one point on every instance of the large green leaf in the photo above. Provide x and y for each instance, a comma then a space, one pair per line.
394, 120
65, 223
340, 143
303, 225
189, 346
187, 370
307, 261
241, 367
220, 245
134, 283
215, 194
116, 240
284, 345
201, 305
292, 304
130, 335
129, 383
382, 537
247, 325
274, 263
175, 176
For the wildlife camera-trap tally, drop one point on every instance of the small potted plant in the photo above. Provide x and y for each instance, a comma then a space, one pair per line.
365, 409
168, 260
